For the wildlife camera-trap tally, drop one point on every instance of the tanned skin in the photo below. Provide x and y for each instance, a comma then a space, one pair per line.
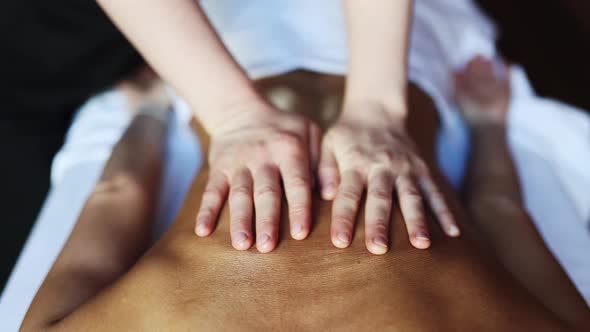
493, 192
185, 283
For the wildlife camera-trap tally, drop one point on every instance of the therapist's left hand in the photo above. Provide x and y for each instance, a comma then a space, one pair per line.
369, 149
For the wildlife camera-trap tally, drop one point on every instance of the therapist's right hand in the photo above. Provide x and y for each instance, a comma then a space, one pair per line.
248, 158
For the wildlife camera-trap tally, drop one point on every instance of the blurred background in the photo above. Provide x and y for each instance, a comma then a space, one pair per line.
56, 54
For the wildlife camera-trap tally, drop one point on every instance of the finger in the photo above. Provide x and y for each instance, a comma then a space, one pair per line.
241, 210
297, 183
378, 211
211, 203
315, 139
267, 200
412, 209
345, 208
439, 206
328, 174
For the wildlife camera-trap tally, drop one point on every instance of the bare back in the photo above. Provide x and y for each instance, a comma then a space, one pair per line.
188, 283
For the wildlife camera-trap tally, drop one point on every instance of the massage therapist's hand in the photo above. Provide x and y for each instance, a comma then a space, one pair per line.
248, 158
368, 149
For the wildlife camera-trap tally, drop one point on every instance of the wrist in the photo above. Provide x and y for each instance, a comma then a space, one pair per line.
377, 111
235, 114
390, 94
487, 128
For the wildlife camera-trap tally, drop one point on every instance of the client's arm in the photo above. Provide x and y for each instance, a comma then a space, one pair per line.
493, 194
113, 230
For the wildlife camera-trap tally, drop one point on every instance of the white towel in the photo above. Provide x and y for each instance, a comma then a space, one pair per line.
550, 145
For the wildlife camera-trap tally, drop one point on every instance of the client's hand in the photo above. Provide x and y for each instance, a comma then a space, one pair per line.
482, 90
248, 158
370, 149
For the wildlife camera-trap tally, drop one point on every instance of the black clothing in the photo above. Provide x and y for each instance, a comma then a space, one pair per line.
56, 54
551, 40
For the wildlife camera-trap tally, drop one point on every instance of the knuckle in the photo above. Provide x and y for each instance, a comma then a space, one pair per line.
240, 191
380, 194
267, 190
289, 143
409, 192
355, 154
402, 163
388, 156
343, 220
298, 209
405, 162
264, 222
353, 163
212, 195
411, 196
297, 181
240, 220
350, 194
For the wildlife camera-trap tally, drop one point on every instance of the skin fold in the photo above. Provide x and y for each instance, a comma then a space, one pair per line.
185, 283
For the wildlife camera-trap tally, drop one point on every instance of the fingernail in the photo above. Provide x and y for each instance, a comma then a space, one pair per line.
343, 237
422, 241
202, 229
422, 236
380, 241
328, 191
263, 243
454, 231
296, 231
240, 240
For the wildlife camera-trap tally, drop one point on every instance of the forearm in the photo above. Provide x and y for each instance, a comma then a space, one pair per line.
378, 46
494, 200
491, 171
113, 229
176, 38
